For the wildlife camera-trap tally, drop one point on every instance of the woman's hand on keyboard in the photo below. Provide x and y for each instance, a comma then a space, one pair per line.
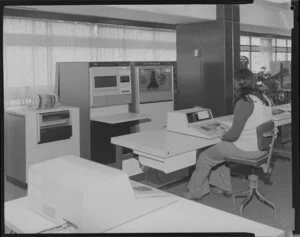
221, 130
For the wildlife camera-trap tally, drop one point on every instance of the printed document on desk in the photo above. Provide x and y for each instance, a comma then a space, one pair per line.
279, 114
145, 191
285, 107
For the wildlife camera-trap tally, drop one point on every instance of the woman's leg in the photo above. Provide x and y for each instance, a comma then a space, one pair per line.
220, 177
207, 172
199, 183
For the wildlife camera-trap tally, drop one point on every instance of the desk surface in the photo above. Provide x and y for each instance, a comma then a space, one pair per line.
119, 118
286, 107
162, 143
181, 216
190, 216
278, 119
20, 219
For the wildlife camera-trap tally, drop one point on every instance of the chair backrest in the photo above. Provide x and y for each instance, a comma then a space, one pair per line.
266, 136
264, 142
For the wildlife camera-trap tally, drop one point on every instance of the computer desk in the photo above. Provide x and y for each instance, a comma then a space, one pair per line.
181, 216
170, 151
162, 147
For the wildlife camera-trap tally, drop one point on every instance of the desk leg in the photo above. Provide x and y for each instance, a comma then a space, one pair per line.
119, 157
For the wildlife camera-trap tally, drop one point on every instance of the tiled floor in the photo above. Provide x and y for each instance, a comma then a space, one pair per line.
279, 192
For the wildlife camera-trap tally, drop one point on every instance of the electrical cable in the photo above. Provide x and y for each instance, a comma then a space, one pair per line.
63, 226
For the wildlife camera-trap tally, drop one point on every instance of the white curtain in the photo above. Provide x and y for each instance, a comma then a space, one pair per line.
33, 46
266, 52
262, 56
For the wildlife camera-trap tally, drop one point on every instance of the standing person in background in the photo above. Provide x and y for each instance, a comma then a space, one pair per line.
252, 109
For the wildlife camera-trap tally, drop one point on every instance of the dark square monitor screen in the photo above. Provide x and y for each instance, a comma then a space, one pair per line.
105, 81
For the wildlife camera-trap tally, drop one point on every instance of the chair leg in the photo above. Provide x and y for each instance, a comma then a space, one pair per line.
240, 194
253, 189
249, 197
263, 199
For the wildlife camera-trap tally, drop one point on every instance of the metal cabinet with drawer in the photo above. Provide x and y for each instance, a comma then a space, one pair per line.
31, 136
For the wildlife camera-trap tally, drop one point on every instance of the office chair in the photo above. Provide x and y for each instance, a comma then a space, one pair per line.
266, 136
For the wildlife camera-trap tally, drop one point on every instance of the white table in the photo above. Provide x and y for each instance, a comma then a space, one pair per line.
188, 216
278, 119
169, 151
119, 118
19, 219
163, 149
181, 216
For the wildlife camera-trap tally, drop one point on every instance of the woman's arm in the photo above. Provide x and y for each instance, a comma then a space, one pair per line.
242, 111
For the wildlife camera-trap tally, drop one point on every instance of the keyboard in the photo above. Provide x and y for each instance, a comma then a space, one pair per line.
211, 129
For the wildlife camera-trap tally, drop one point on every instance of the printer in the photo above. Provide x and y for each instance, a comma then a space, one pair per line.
195, 121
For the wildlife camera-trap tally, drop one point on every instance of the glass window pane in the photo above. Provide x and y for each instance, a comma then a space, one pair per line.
281, 42
281, 56
289, 57
245, 48
289, 43
281, 49
273, 56
245, 40
255, 40
257, 62
247, 54
255, 48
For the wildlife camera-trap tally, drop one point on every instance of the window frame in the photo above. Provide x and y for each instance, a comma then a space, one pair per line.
277, 49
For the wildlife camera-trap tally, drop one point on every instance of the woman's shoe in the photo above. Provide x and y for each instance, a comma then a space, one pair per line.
220, 192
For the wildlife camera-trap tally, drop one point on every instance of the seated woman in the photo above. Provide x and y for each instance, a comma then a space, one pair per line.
251, 110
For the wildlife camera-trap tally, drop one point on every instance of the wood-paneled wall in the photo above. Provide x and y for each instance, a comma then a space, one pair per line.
207, 79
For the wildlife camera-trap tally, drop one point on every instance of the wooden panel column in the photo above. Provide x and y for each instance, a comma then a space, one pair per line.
207, 55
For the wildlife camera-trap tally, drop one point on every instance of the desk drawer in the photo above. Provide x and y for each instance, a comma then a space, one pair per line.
169, 164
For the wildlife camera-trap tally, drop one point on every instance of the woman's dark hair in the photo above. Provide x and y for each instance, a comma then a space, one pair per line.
248, 88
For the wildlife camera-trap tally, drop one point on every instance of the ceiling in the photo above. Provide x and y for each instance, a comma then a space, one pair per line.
169, 14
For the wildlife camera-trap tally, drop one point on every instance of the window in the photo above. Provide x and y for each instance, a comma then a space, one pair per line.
262, 50
282, 49
33, 46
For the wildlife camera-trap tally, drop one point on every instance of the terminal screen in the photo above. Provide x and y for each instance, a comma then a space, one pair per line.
203, 115
198, 116
155, 78
105, 81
